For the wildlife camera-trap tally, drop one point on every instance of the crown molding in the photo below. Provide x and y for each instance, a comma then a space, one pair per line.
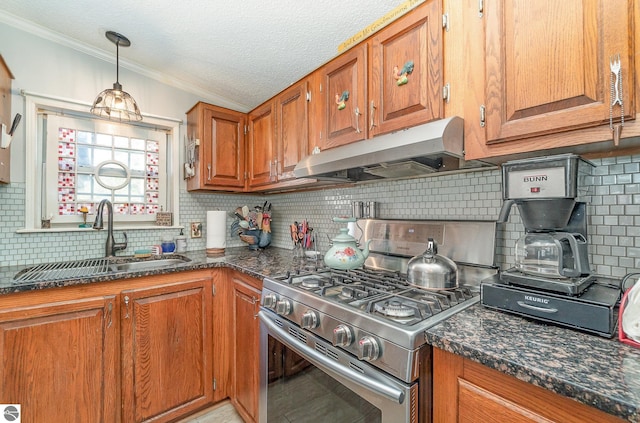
56, 37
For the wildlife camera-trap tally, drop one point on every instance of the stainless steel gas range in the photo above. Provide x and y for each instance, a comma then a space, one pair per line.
349, 345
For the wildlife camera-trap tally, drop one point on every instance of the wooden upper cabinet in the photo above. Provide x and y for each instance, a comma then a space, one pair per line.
167, 350
261, 146
60, 360
345, 86
406, 77
220, 157
292, 128
546, 68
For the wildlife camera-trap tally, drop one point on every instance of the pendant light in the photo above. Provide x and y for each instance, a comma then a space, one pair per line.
113, 103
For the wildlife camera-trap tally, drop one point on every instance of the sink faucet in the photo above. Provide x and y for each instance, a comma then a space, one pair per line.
111, 246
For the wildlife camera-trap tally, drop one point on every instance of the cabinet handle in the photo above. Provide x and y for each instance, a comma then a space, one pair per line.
109, 317
357, 112
209, 167
126, 304
483, 116
372, 111
275, 169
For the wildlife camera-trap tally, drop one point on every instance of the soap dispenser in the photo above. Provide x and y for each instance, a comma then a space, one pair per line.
181, 242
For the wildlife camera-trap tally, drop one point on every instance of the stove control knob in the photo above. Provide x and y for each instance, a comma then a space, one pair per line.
368, 349
269, 301
310, 319
283, 307
342, 336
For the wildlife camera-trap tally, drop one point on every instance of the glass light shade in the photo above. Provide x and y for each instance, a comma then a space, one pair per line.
116, 104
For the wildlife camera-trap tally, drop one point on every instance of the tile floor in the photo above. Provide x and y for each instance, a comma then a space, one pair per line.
220, 413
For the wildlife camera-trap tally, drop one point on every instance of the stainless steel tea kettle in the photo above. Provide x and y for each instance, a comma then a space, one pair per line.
431, 270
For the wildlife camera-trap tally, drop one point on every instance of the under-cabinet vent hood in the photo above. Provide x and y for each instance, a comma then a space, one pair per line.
432, 148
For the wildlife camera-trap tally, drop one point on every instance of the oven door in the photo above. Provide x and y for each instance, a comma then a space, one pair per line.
305, 379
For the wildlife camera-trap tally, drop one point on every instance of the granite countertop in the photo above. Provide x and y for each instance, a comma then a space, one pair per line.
599, 372
603, 373
260, 263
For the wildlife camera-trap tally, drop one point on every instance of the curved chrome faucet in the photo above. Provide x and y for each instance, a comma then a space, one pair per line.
111, 246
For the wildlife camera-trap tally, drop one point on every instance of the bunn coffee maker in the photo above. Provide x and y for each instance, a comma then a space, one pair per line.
551, 279
553, 253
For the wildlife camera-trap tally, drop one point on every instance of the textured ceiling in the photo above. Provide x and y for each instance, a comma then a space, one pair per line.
240, 52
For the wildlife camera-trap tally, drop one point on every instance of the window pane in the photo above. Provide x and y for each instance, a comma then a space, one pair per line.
100, 155
84, 156
120, 142
85, 183
137, 187
84, 137
137, 163
137, 144
153, 146
65, 179
121, 156
104, 139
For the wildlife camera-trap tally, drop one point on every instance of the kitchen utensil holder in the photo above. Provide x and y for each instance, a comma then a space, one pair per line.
622, 336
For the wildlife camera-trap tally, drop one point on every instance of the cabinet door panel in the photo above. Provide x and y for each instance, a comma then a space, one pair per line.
261, 146
346, 74
166, 350
415, 38
246, 302
292, 129
59, 361
551, 73
225, 152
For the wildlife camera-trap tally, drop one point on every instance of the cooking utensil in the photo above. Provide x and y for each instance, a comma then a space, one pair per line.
431, 270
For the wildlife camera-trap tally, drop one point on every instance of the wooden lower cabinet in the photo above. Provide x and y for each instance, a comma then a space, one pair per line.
246, 329
59, 360
465, 391
166, 350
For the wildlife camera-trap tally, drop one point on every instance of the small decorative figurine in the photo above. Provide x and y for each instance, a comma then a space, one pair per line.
84, 210
401, 76
341, 99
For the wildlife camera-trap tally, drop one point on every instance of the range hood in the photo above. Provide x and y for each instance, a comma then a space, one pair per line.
432, 148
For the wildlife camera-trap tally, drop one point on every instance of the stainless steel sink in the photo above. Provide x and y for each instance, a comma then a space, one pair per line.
141, 266
93, 267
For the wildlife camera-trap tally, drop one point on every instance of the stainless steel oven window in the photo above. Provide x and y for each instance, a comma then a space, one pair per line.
305, 379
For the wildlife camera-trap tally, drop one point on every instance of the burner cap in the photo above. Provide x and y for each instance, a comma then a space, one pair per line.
311, 282
395, 308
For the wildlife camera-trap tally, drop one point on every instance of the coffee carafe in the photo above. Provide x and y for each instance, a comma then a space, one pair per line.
553, 252
555, 255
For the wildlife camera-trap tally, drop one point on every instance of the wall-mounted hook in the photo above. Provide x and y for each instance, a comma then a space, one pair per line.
7, 136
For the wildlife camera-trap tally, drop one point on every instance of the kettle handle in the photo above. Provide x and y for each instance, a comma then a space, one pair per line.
580, 265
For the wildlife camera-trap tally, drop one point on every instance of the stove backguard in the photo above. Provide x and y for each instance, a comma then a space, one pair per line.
471, 244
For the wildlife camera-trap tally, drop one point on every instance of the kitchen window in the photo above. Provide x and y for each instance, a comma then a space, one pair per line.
90, 160
77, 160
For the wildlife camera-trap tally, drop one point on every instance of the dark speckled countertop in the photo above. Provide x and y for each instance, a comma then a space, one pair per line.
261, 263
600, 372
603, 373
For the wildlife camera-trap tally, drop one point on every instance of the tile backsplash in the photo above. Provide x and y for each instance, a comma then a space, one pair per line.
613, 210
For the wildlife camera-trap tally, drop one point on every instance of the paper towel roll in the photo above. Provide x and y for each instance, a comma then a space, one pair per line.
216, 229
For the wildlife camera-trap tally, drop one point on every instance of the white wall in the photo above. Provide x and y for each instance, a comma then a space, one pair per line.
48, 68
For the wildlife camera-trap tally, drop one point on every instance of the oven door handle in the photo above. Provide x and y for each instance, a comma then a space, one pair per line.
377, 386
